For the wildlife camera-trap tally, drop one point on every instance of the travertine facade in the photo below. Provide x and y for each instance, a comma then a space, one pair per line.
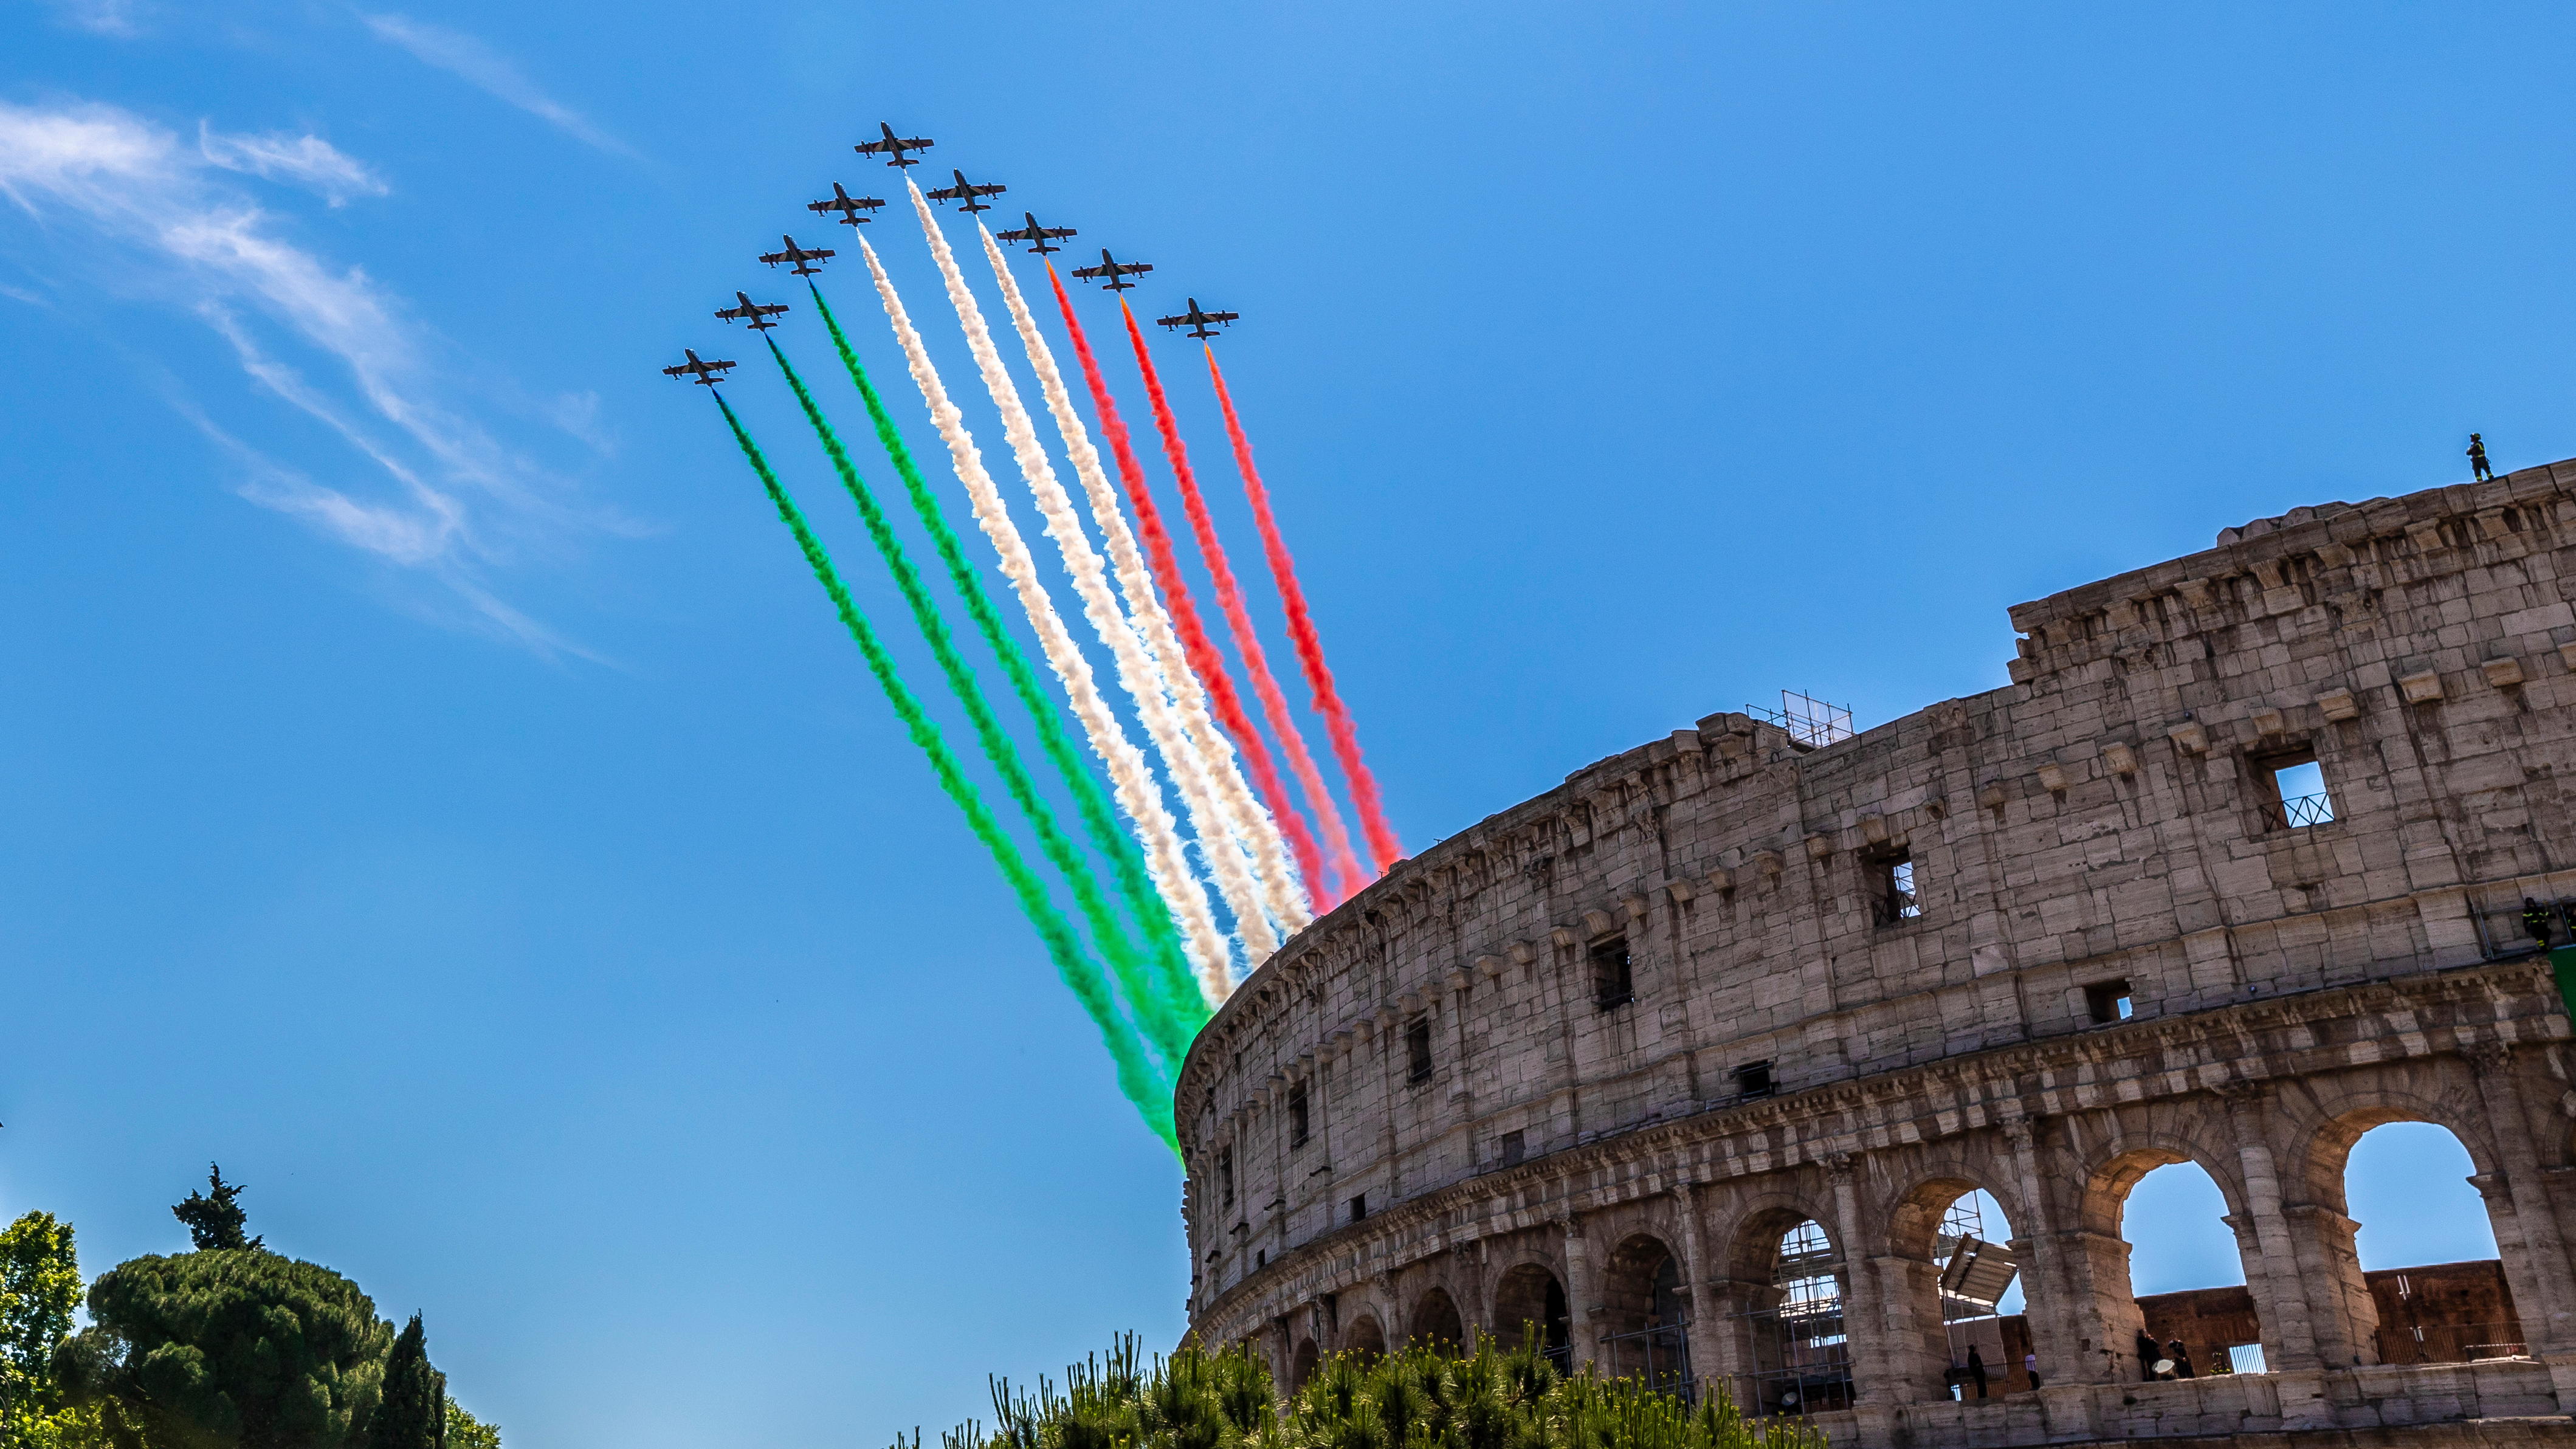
1484, 1118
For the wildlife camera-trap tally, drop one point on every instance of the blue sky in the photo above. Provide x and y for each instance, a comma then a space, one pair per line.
435, 790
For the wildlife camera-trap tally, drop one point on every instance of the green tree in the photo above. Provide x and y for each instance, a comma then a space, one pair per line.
464, 1431
215, 1220
412, 1414
228, 1347
40, 1285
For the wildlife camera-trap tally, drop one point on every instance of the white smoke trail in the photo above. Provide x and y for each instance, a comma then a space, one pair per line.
1136, 580
1129, 775
1271, 874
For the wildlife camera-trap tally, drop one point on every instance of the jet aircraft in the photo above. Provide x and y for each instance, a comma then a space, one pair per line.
707, 374
1197, 321
967, 193
752, 312
893, 146
802, 257
847, 205
1036, 236
1115, 270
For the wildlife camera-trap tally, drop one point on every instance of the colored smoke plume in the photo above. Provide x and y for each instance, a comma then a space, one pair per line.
1280, 895
1136, 1078
1229, 593
1310, 650
1146, 999
1128, 772
1150, 894
1205, 663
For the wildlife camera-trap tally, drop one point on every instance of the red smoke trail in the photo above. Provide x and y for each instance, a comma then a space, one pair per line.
1204, 660
1229, 596
1310, 649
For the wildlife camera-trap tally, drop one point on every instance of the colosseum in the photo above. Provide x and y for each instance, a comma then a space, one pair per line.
1692, 1064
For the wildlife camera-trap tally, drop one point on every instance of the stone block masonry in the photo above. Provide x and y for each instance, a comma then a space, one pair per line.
2229, 873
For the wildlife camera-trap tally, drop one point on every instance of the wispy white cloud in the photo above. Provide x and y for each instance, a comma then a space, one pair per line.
307, 160
454, 501
101, 17
479, 65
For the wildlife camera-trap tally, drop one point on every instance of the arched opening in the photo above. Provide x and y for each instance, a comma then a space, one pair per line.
2433, 1284
2187, 1310
1965, 1275
1790, 1339
1364, 1337
1436, 1322
1646, 1305
1301, 1364
1530, 1297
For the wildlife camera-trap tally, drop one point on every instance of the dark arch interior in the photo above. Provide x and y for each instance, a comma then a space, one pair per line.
1436, 1321
1530, 1295
1364, 1337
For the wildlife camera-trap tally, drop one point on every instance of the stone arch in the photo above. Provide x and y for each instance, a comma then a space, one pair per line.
1646, 1306
2106, 1311
1435, 1319
1923, 1351
1775, 1354
1301, 1364
2344, 1316
1530, 1293
1364, 1337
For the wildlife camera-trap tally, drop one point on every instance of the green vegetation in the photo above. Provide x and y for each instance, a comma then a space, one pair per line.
227, 1347
40, 1285
1421, 1398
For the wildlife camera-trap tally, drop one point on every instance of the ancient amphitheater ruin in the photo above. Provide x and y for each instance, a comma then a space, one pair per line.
1690, 1064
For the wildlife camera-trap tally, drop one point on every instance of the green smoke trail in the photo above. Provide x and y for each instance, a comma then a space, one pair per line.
1152, 1006
1180, 985
1135, 1075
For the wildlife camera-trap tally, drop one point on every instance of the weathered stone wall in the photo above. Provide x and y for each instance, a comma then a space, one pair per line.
1478, 1101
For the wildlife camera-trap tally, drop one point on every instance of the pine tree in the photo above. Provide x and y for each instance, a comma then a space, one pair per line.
214, 1219
413, 1412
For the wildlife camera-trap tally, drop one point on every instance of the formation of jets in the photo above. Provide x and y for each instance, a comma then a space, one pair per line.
847, 205
849, 210
968, 195
707, 374
893, 147
1196, 320
754, 313
1115, 270
803, 259
1035, 235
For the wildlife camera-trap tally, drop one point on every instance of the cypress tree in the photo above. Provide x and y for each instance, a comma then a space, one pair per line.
413, 1412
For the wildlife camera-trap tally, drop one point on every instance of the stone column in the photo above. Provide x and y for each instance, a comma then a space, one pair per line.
1583, 1309
2344, 1316
1865, 1298
2058, 1301
2544, 1288
1701, 1338
2289, 1335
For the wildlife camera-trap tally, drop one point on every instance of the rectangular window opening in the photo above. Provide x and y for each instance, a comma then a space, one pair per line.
1359, 1207
1515, 1148
1417, 1050
2108, 1001
2245, 1358
1225, 1176
1297, 1116
1893, 897
1753, 1079
2293, 791
1613, 983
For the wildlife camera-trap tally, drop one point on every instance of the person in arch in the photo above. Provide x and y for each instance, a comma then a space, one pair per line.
1977, 1370
2148, 1353
2181, 1357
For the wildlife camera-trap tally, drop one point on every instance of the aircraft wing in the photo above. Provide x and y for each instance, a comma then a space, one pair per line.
949, 193
994, 188
1087, 273
1224, 316
773, 258
1170, 321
